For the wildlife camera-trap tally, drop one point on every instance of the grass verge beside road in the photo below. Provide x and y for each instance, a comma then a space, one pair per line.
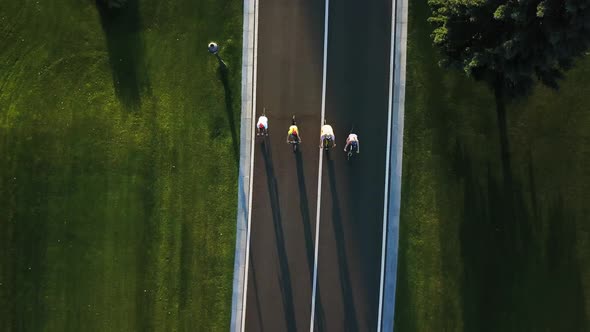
118, 165
476, 255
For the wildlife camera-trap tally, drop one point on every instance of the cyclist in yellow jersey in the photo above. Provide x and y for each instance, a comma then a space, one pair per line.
293, 133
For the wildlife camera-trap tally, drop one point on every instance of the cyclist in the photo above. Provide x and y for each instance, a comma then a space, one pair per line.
262, 125
353, 141
293, 133
327, 133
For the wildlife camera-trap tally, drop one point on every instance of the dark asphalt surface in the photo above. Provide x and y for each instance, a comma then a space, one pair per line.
353, 191
290, 51
290, 54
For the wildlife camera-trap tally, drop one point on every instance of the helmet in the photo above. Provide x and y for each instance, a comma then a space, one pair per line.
260, 125
294, 132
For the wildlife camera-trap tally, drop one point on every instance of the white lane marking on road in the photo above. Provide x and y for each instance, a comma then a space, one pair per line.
317, 221
387, 162
254, 76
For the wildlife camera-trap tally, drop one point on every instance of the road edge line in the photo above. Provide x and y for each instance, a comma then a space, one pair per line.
399, 87
317, 223
244, 213
387, 163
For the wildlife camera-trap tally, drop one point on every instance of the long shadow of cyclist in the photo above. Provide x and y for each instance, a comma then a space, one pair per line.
284, 275
349, 307
307, 228
304, 209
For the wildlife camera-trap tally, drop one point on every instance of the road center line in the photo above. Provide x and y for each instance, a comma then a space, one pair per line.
317, 221
254, 76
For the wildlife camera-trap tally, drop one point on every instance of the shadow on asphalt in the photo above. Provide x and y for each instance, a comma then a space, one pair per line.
223, 72
319, 319
285, 274
121, 27
304, 209
350, 319
309, 242
254, 291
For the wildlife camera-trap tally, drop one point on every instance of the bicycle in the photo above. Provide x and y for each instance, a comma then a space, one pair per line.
292, 139
262, 131
327, 141
353, 147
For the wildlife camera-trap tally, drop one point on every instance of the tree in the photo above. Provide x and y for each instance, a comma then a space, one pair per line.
511, 44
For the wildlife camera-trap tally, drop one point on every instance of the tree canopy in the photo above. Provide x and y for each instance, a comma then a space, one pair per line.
511, 43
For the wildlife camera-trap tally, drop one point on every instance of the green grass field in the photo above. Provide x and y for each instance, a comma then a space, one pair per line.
118, 165
478, 253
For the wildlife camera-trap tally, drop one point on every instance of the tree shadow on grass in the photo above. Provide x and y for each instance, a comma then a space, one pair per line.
405, 307
484, 259
184, 276
122, 27
29, 249
521, 271
146, 283
8, 245
223, 72
517, 255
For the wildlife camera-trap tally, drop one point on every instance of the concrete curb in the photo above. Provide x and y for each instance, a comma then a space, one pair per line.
396, 154
246, 127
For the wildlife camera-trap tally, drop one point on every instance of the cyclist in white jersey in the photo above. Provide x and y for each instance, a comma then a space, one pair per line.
262, 125
353, 140
327, 133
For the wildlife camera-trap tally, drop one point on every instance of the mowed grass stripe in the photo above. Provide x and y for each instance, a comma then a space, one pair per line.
118, 165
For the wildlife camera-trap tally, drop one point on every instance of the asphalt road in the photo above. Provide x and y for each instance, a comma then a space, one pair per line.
351, 218
290, 52
290, 39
